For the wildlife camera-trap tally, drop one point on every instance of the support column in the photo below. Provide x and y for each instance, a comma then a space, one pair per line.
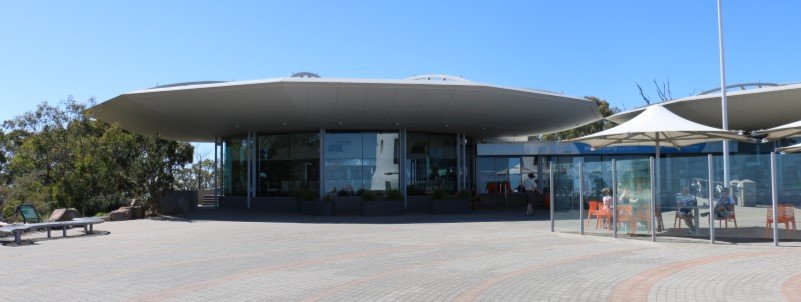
216, 169
614, 198
402, 158
459, 160
581, 197
710, 187
322, 164
774, 197
553, 200
251, 168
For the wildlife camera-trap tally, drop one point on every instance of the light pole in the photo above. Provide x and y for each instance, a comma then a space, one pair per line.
723, 103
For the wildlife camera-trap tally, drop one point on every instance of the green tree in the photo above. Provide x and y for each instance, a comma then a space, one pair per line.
60, 156
590, 128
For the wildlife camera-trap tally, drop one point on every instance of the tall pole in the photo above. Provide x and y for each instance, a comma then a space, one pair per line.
709, 164
581, 197
651, 213
552, 201
614, 198
723, 102
774, 199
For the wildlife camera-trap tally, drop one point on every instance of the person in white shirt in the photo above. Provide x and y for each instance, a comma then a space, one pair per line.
531, 192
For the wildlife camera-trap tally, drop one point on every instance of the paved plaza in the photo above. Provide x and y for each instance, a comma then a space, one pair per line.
492, 256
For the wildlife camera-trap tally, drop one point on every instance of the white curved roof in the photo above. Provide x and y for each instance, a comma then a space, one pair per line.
291, 104
752, 109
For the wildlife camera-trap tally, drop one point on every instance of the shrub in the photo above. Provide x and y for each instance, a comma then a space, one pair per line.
369, 196
439, 194
464, 195
394, 195
328, 198
306, 194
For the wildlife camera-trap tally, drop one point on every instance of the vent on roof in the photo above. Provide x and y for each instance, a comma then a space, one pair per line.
304, 74
742, 86
437, 77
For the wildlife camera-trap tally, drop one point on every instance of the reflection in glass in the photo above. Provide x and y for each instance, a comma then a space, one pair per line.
288, 162
431, 163
361, 161
236, 152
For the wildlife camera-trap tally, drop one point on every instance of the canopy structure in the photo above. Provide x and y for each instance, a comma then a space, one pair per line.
658, 125
790, 149
763, 107
201, 111
788, 130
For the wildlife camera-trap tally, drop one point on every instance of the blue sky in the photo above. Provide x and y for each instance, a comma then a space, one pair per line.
100, 49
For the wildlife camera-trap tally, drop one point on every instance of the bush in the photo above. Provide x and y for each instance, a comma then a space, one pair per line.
369, 196
439, 194
328, 198
306, 194
464, 195
394, 195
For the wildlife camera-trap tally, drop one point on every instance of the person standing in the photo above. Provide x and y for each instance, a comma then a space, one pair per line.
531, 192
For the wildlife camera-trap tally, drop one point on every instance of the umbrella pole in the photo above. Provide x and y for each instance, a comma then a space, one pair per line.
657, 190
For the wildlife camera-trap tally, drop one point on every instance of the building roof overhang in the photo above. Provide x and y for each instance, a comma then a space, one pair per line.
748, 110
201, 112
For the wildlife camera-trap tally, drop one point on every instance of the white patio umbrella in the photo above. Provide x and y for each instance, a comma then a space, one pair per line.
787, 130
790, 149
657, 126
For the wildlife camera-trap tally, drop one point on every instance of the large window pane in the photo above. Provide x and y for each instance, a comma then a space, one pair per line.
361, 161
288, 162
432, 163
236, 166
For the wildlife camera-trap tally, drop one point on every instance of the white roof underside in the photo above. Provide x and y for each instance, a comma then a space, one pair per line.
790, 149
748, 110
791, 129
202, 112
673, 130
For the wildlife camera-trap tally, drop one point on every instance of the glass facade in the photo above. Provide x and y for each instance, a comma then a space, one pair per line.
431, 163
236, 152
287, 163
362, 160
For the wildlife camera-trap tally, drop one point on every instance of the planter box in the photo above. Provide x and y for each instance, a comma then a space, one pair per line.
318, 208
381, 208
450, 206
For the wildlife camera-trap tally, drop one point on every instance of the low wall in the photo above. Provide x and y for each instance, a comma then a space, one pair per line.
178, 202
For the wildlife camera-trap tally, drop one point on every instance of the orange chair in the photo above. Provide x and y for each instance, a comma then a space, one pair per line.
492, 188
625, 214
643, 214
592, 211
731, 217
785, 214
603, 214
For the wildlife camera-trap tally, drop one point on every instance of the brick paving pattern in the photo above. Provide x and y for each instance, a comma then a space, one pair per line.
497, 256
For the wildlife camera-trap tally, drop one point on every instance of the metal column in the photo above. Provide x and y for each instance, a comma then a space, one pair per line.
402, 169
459, 160
216, 169
723, 102
652, 215
322, 165
774, 199
711, 201
550, 174
581, 197
614, 198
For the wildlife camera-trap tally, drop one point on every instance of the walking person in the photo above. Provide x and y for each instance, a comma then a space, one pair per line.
531, 192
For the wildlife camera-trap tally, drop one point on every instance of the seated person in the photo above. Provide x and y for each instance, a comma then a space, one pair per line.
607, 205
724, 207
685, 203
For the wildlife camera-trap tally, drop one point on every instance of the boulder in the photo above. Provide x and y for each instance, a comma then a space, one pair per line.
123, 213
137, 212
64, 214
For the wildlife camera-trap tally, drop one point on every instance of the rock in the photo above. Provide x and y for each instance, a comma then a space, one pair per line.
137, 212
123, 213
64, 214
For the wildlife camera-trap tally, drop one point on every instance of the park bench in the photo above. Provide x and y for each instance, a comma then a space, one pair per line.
29, 214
